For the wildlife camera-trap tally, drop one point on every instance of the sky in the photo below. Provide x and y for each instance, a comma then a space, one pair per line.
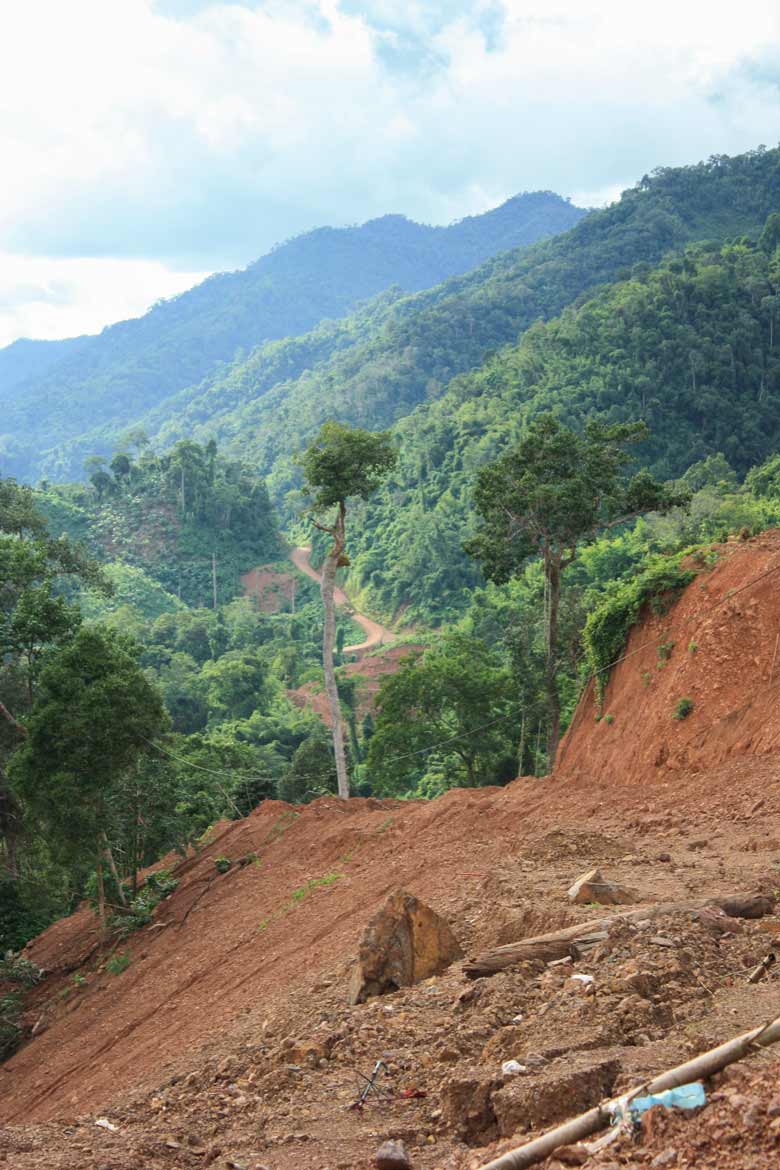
147, 143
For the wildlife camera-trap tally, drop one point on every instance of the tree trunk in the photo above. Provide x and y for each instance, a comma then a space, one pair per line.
101, 890
112, 866
327, 588
553, 573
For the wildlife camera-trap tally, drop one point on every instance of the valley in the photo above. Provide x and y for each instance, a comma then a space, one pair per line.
479, 527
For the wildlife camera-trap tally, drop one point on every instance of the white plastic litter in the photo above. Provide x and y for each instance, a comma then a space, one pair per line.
511, 1068
104, 1123
585, 979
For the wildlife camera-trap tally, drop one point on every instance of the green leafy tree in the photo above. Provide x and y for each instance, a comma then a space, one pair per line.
341, 464
94, 716
556, 489
311, 773
453, 702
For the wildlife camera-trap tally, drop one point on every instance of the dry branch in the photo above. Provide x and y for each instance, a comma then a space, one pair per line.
557, 944
705, 1065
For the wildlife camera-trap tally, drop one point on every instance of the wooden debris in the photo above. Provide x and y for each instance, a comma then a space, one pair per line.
600, 1117
558, 943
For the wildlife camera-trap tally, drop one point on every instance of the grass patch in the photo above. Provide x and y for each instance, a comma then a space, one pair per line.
683, 708
118, 963
328, 879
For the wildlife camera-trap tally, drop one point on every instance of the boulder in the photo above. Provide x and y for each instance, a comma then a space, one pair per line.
594, 887
392, 1156
749, 906
404, 943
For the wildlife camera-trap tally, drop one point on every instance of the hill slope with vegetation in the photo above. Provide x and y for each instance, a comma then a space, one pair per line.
395, 356
130, 367
690, 346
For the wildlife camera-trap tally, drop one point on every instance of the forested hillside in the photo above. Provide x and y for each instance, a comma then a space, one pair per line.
378, 366
690, 346
25, 359
192, 520
110, 380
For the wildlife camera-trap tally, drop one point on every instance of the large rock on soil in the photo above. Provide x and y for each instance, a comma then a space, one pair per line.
594, 887
404, 943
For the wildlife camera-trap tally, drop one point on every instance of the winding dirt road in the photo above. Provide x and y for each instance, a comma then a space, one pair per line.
376, 635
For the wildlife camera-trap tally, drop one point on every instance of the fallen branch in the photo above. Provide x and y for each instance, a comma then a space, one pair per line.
705, 1065
557, 944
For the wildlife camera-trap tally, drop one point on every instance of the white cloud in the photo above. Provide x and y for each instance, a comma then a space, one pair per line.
198, 134
56, 298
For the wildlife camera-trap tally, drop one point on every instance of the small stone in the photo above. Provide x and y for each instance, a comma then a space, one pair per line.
665, 1158
572, 1155
392, 1156
664, 857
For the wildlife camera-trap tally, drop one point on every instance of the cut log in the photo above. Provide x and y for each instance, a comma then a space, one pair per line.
598, 1118
556, 944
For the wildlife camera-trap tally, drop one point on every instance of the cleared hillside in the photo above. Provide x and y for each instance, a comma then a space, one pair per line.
227, 1035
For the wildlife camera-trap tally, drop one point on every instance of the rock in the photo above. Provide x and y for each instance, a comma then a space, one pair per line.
594, 887
404, 943
664, 857
392, 1156
752, 906
572, 1155
467, 1107
555, 1093
715, 921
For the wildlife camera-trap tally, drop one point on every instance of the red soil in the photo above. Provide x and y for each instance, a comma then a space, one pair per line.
724, 631
370, 671
271, 588
189, 1050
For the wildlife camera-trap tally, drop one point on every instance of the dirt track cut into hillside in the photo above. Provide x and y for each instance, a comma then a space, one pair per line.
376, 634
228, 1040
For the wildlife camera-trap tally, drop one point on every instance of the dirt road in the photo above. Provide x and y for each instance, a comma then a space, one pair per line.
376, 634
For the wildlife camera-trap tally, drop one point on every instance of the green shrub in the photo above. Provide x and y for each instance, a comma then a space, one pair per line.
118, 963
10, 1024
665, 651
693, 647
17, 969
609, 623
222, 864
609, 718
683, 708
140, 910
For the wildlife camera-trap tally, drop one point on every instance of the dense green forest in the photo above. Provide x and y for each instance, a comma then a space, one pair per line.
405, 352
86, 640
191, 519
690, 346
107, 382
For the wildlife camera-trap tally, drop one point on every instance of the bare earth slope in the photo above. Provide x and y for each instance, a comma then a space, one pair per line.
718, 645
228, 1040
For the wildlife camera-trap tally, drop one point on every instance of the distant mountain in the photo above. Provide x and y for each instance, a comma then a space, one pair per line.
25, 359
113, 378
401, 354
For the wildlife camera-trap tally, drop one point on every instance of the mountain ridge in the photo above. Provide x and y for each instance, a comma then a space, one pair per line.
115, 376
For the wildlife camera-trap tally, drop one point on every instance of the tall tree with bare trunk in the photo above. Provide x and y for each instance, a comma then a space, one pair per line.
551, 493
342, 463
